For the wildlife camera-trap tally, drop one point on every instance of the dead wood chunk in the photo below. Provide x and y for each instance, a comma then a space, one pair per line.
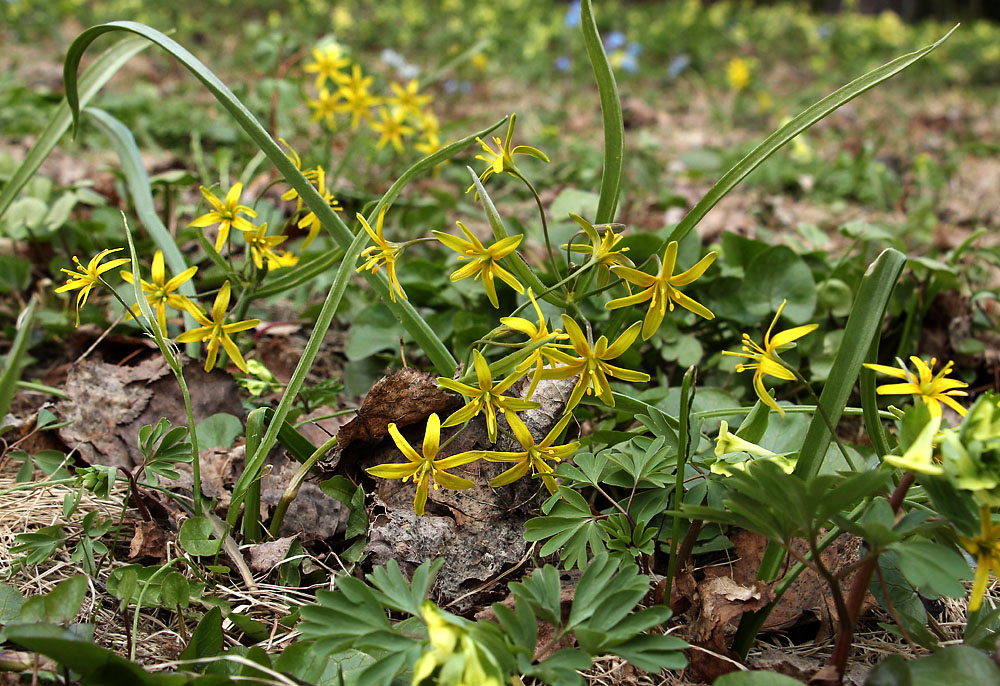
404, 397
108, 404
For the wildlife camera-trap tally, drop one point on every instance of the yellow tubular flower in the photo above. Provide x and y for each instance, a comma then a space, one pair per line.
87, 277
225, 214
485, 261
406, 98
933, 389
601, 249
986, 548
662, 290
423, 468
534, 456
592, 364
325, 106
327, 62
216, 331
502, 159
311, 222
262, 246
534, 333
766, 361
391, 128
160, 293
487, 398
383, 252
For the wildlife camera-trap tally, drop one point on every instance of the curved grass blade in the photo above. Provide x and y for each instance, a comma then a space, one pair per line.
789, 131
251, 507
305, 271
611, 109
411, 320
15, 356
92, 81
869, 404
137, 181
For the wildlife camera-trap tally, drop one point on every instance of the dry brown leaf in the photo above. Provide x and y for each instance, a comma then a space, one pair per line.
149, 540
263, 557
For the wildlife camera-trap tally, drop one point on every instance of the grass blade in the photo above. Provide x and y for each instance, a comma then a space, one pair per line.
15, 356
92, 81
411, 320
789, 131
611, 109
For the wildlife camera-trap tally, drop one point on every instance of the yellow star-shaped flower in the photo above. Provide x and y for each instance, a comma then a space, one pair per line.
535, 456
986, 548
534, 332
383, 252
226, 214
87, 277
215, 331
485, 261
391, 127
160, 292
311, 222
262, 247
407, 99
327, 62
933, 389
601, 249
502, 159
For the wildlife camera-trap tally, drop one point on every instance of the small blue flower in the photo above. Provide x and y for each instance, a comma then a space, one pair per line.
633, 49
451, 86
678, 63
629, 63
562, 63
614, 40
573, 15
824, 31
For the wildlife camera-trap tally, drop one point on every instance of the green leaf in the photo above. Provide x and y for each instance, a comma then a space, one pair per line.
218, 431
58, 606
207, 639
399, 594
15, 358
935, 570
103, 68
779, 274
519, 624
197, 537
570, 527
541, 591
11, 602
175, 590
756, 678
800, 123
957, 664
351, 496
611, 110
38, 545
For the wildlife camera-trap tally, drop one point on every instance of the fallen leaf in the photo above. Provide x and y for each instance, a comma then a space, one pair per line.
263, 557
148, 540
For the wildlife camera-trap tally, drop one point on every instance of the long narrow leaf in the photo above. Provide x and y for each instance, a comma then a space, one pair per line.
611, 109
302, 273
789, 131
15, 356
92, 81
869, 404
424, 335
137, 181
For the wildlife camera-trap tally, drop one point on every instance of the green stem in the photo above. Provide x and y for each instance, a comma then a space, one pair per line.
545, 225
295, 484
683, 447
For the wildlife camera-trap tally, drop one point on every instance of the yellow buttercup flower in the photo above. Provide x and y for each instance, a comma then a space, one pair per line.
933, 389
225, 214
325, 107
534, 457
592, 364
502, 159
485, 261
215, 331
535, 333
766, 361
262, 247
160, 292
383, 252
87, 277
406, 98
986, 548
488, 398
662, 290
423, 468
311, 222
391, 128
601, 249
738, 73
327, 62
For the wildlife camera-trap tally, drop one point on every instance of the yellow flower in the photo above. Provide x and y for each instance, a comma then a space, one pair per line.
281, 259
601, 249
216, 331
311, 222
355, 81
766, 359
592, 364
160, 292
383, 252
502, 159
262, 246
87, 277
535, 333
534, 456
931, 388
423, 468
662, 290
428, 123
487, 398
485, 261
327, 62
291, 193
738, 73
428, 145
358, 102
986, 548
325, 106
391, 128
406, 98
225, 214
